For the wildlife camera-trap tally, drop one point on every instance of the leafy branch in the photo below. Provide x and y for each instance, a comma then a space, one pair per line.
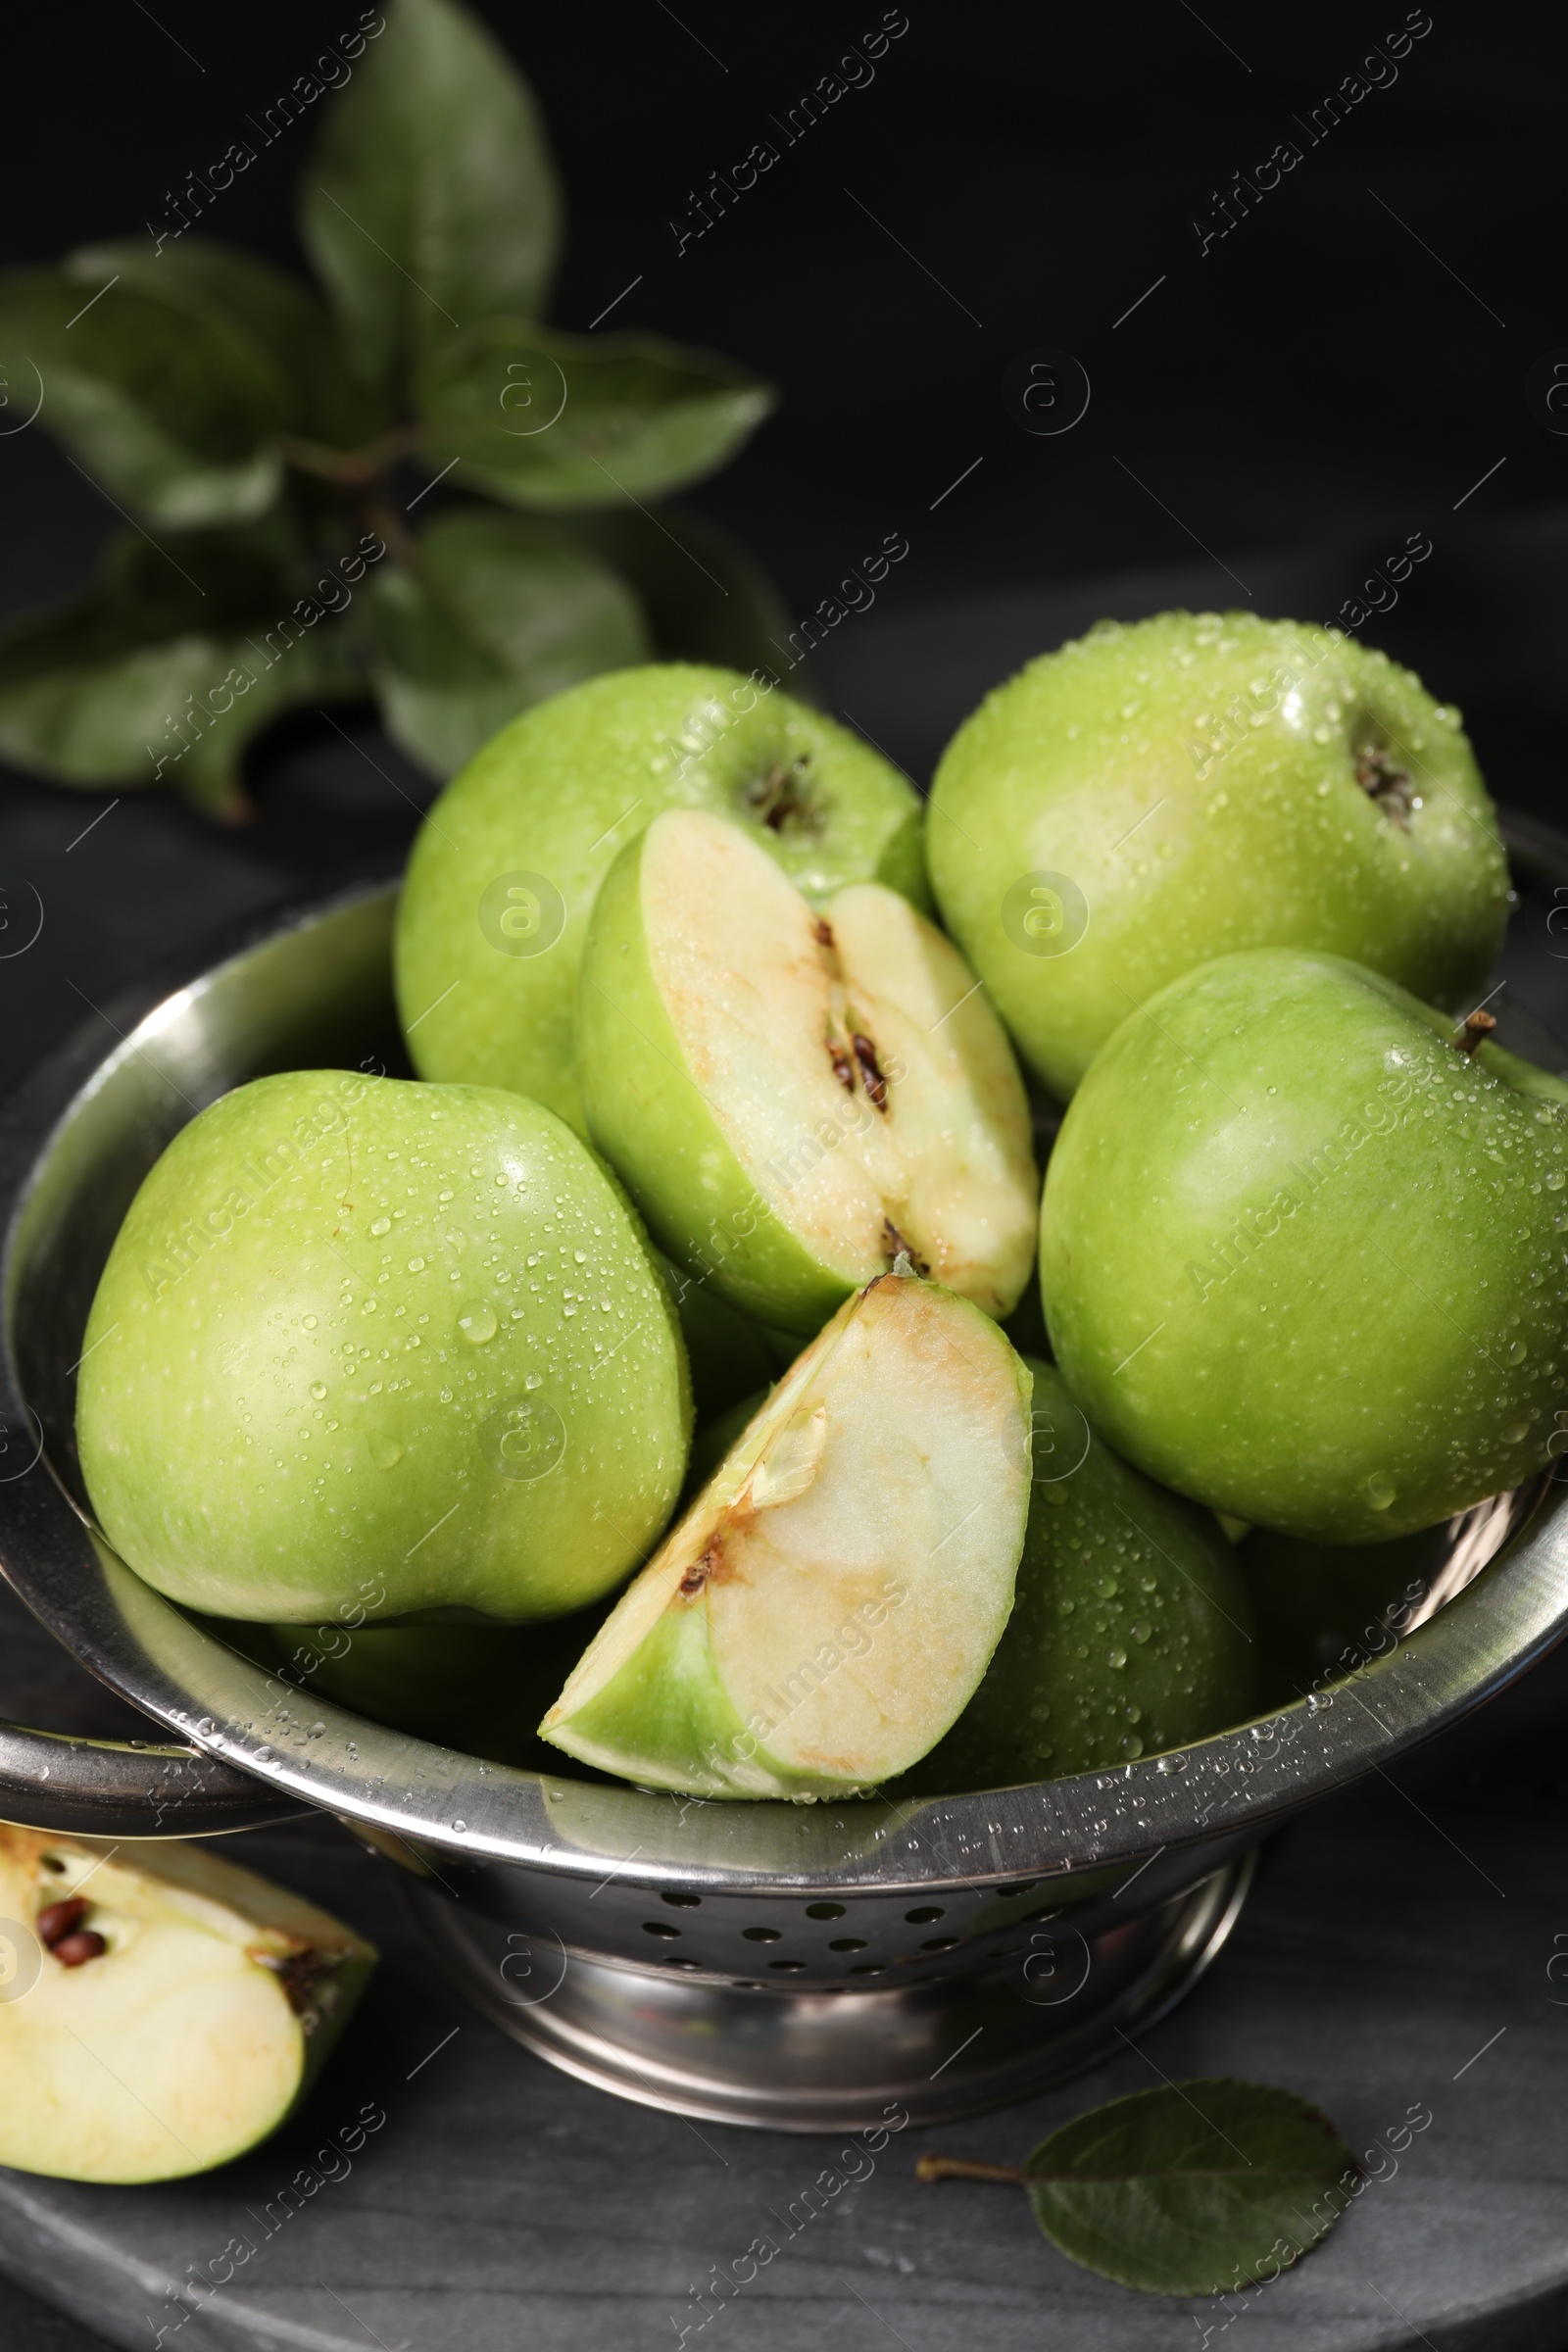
263, 437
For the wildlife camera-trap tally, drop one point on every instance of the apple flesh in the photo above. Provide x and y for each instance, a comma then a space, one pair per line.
506, 869
1153, 796
1301, 1252
826, 1606
370, 1348
794, 1098
1132, 1632
166, 2018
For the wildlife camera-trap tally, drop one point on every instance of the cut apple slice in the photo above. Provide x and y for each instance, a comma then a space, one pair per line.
828, 1604
793, 1098
161, 2010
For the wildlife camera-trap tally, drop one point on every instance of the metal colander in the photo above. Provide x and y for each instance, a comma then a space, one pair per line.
814, 1967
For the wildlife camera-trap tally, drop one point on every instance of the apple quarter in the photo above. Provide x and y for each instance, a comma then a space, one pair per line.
795, 1097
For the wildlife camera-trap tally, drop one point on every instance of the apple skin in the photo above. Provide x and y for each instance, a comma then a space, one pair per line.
1322, 1608
557, 794
1131, 1631
1303, 1259
370, 1348
1101, 764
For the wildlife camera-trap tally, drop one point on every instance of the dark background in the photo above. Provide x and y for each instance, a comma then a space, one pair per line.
1276, 416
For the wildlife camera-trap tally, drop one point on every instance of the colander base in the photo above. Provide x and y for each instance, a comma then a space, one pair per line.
835, 2061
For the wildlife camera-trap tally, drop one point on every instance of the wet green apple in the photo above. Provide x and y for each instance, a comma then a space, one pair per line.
1323, 1608
822, 1611
1131, 1632
792, 1096
1155, 795
730, 1357
480, 1688
161, 2009
1303, 1250
364, 1338
509, 862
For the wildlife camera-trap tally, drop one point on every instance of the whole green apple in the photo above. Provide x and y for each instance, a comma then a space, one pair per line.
509, 862
1323, 1608
1155, 795
820, 1613
1301, 1249
1131, 1630
793, 1098
368, 1348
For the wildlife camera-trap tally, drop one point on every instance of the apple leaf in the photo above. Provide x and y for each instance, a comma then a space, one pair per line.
546, 420
501, 612
169, 410
285, 323
1194, 2189
164, 673
429, 201
704, 597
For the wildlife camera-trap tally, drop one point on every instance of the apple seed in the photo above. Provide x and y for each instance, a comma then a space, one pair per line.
55, 1920
81, 1944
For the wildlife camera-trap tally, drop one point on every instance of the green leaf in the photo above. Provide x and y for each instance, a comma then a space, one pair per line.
171, 412
429, 201
546, 420
1193, 2188
159, 674
287, 328
704, 598
501, 611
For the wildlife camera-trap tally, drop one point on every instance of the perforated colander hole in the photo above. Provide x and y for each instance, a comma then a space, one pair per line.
870, 1968
824, 1910
940, 1944
677, 1960
682, 1902
790, 1964
927, 1912
743, 1985
848, 1943
659, 1927
762, 1935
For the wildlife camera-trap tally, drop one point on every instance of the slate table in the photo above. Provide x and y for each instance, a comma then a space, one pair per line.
1397, 1950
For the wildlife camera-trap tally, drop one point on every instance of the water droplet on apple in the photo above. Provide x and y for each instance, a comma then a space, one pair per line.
317, 1390
308, 1322
1517, 1352
535, 1380
1379, 1491
1116, 1655
476, 1320
381, 1225
416, 1265
386, 1453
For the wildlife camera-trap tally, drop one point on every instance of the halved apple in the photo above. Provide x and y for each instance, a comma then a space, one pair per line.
161, 2010
793, 1098
829, 1602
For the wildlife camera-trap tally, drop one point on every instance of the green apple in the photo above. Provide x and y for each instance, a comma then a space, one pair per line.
794, 1098
1301, 1249
364, 1338
1132, 1631
730, 1357
480, 1688
818, 1618
510, 859
1155, 795
1323, 1607
166, 2017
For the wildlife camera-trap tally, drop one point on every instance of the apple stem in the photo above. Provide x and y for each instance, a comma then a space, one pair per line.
1476, 1028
